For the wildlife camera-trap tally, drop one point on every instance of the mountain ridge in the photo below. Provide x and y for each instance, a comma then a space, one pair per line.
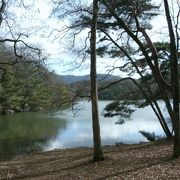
69, 79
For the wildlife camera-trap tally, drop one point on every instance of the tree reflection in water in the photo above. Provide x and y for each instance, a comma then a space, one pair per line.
27, 132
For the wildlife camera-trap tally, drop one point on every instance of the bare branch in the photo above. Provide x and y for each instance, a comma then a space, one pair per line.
2, 8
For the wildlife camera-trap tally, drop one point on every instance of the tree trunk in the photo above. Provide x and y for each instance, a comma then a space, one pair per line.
174, 81
155, 71
150, 99
98, 154
2, 8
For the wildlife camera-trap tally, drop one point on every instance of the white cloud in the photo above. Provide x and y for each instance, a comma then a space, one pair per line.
44, 9
37, 22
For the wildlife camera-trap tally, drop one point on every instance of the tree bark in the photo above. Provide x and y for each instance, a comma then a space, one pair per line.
98, 154
174, 81
160, 81
155, 107
2, 8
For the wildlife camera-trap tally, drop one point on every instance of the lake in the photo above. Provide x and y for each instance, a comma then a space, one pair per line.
27, 132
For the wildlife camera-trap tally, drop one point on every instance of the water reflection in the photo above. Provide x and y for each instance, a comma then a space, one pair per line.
79, 131
26, 132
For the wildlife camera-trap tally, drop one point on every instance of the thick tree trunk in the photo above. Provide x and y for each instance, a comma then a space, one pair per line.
98, 154
174, 81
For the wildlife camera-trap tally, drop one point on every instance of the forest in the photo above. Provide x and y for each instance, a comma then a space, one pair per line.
28, 85
121, 38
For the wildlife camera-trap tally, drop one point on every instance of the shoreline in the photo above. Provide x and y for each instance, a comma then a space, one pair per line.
148, 160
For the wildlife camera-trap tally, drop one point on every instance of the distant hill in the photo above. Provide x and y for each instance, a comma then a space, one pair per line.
122, 91
69, 79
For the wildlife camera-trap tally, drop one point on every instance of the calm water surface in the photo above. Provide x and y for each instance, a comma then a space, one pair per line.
27, 132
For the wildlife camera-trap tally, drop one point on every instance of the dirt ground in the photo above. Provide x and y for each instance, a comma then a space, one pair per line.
126, 162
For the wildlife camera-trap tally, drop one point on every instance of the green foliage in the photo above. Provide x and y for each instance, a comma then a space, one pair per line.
128, 11
149, 136
126, 90
122, 109
28, 85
